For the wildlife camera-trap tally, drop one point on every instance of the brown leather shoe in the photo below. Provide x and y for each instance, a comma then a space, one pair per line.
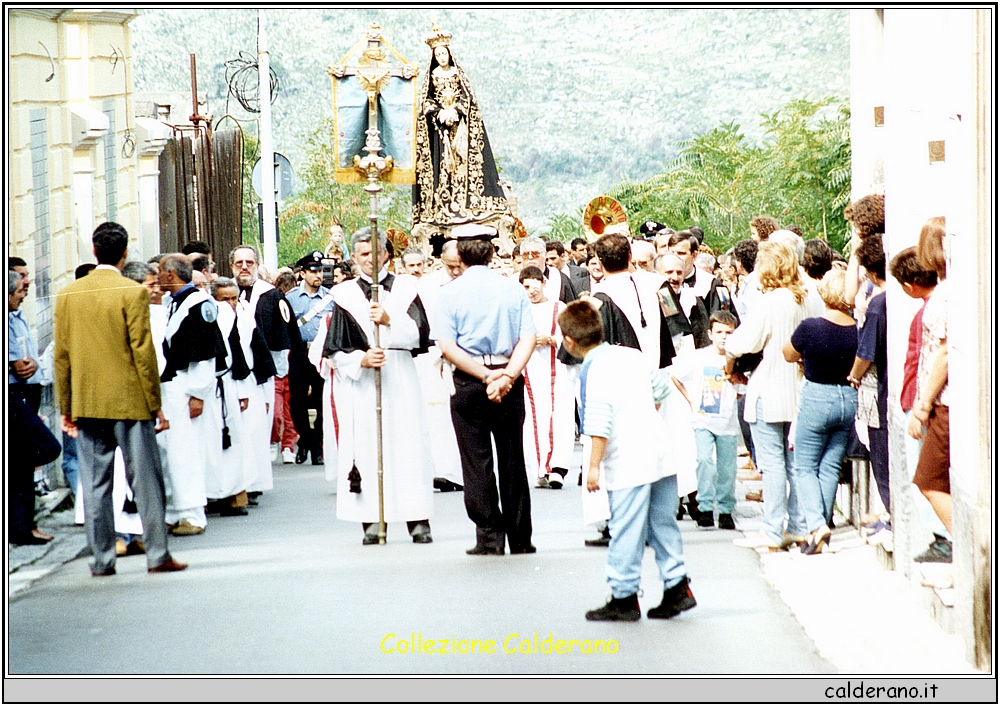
184, 528
169, 565
135, 547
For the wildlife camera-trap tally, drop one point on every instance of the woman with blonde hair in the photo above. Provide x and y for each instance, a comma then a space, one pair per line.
772, 391
826, 346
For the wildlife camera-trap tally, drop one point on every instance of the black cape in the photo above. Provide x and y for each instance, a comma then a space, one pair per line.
344, 335
618, 331
195, 340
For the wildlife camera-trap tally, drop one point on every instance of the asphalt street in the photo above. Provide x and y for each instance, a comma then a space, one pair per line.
291, 590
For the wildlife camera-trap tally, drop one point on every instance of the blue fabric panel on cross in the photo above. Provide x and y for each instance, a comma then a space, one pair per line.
395, 121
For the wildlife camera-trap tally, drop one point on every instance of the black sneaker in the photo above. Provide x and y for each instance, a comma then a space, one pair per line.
301, 454
620, 609
939, 552
726, 521
675, 600
706, 519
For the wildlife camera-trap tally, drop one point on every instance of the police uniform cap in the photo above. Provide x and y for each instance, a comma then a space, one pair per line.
312, 261
650, 228
473, 231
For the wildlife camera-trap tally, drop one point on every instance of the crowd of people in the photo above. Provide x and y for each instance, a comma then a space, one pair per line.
665, 359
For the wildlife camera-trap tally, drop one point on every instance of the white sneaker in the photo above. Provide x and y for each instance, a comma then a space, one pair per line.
287, 456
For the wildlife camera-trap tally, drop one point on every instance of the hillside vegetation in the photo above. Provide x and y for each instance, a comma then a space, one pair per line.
575, 101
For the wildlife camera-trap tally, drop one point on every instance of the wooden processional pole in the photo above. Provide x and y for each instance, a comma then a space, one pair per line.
373, 74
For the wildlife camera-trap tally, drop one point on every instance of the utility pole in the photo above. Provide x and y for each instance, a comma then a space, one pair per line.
270, 254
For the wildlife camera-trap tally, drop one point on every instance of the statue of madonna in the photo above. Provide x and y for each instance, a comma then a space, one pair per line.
456, 177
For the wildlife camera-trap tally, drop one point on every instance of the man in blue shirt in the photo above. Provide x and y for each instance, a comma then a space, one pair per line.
22, 355
484, 327
310, 302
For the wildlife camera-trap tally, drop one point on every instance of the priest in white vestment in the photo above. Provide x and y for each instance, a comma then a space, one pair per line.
229, 481
350, 352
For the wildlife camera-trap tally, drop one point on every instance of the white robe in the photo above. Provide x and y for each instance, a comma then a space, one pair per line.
637, 303
548, 400
125, 522
407, 481
440, 442
231, 475
331, 420
259, 416
191, 444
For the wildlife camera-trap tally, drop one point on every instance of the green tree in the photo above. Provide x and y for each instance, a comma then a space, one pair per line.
800, 174
304, 220
808, 155
715, 183
321, 202
251, 153
564, 227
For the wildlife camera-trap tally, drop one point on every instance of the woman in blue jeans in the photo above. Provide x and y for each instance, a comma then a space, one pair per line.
825, 346
772, 391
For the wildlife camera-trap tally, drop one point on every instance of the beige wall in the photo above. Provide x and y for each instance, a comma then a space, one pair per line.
80, 44
926, 67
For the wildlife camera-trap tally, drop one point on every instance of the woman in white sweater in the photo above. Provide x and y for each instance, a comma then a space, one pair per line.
773, 388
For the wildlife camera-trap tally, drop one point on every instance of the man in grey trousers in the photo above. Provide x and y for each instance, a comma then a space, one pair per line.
108, 387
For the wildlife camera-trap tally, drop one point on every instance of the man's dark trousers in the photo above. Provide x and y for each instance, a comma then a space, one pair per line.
305, 390
475, 418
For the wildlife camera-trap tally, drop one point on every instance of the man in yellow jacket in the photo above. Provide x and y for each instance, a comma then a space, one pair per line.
108, 387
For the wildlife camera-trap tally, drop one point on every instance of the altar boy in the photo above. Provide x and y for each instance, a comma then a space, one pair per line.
618, 396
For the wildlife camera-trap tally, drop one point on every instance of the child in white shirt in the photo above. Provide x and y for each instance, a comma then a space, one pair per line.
700, 375
618, 395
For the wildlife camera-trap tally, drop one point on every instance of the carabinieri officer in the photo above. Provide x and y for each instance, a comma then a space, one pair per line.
484, 328
310, 302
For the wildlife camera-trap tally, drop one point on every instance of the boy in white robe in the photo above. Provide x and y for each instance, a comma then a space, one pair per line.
227, 483
548, 394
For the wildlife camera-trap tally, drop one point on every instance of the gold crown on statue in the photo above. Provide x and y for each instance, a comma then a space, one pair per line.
438, 37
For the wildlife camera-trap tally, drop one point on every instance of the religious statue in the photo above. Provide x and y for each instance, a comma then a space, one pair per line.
456, 176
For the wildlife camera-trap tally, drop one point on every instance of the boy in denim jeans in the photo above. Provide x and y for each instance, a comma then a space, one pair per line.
699, 374
618, 396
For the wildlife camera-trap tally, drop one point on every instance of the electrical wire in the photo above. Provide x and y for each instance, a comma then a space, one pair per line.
244, 85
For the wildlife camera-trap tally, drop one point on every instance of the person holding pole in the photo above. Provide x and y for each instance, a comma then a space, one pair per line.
379, 329
484, 327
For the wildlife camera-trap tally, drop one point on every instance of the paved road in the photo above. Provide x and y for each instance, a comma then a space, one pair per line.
291, 590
